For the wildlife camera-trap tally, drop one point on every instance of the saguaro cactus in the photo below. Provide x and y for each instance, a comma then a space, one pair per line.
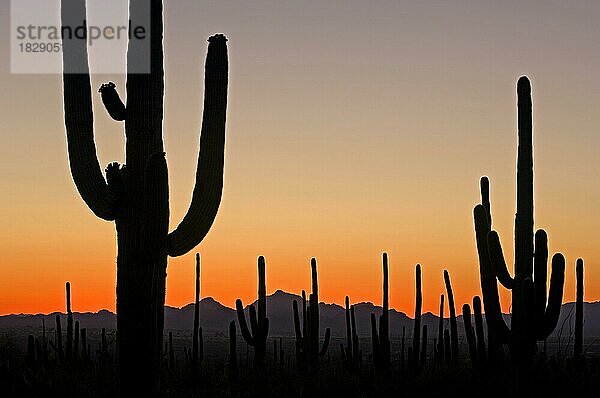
196, 330
452, 310
578, 345
415, 353
381, 338
260, 325
307, 336
440, 338
135, 196
534, 316
351, 354
69, 350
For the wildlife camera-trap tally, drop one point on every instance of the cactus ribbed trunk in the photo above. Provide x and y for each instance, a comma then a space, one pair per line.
136, 196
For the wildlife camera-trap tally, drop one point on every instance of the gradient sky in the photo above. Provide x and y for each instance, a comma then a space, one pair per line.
354, 127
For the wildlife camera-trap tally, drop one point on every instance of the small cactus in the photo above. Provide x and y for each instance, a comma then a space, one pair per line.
196, 329
260, 325
69, 350
578, 345
453, 324
381, 338
307, 336
415, 353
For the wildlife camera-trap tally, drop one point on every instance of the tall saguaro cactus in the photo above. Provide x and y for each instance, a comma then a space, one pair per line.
381, 338
534, 314
260, 326
136, 196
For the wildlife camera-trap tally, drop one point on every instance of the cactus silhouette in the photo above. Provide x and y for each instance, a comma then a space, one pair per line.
69, 349
135, 196
440, 338
452, 310
381, 339
534, 315
352, 354
415, 353
196, 330
307, 336
259, 325
578, 344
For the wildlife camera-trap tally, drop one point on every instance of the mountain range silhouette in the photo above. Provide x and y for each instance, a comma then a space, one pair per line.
215, 318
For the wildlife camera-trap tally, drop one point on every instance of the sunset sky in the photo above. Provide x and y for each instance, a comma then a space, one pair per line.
354, 127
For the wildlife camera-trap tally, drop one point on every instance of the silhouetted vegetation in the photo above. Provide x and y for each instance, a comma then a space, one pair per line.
136, 195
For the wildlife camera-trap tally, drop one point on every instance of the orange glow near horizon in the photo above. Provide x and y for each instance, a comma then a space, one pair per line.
352, 129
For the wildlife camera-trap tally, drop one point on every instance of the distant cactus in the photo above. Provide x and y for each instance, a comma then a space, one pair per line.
415, 353
534, 316
260, 325
381, 339
578, 345
453, 325
307, 336
440, 338
196, 329
135, 196
69, 350
351, 355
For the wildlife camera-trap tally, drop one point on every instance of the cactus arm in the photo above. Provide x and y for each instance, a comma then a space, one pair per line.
262, 290
497, 260
555, 295
112, 102
540, 272
325, 346
239, 307
253, 322
79, 118
208, 188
